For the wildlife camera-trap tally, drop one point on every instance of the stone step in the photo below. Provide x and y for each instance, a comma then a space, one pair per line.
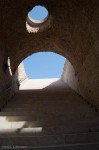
20, 132
46, 100
45, 109
49, 127
11, 121
77, 146
44, 114
64, 96
20, 110
49, 111
12, 116
30, 131
49, 107
46, 119
43, 97
50, 140
19, 106
65, 106
62, 128
20, 124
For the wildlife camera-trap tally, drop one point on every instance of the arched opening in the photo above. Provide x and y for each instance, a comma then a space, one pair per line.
38, 19
9, 66
41, 69
58, 119
38, 14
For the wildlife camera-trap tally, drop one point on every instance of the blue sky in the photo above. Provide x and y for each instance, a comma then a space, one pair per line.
43, 64
38, 13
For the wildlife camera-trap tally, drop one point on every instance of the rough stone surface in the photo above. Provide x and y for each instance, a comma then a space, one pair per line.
85, 81
70, 77
74, 33
22, 76
54, 116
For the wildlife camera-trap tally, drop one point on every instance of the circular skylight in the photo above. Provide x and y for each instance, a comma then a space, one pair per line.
38, 14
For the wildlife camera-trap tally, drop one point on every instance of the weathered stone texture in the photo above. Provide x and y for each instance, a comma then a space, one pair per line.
21, 73
74, 33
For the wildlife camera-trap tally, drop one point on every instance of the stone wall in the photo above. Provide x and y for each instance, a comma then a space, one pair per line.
8, 82
69, 76
22, 76
85, 81
73, 33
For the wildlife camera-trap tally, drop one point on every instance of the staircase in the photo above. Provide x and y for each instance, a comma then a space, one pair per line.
54, 118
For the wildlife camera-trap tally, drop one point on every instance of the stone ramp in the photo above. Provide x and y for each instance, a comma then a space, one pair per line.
51, 118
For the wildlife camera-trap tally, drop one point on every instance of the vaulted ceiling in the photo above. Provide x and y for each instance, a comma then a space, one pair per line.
74, 29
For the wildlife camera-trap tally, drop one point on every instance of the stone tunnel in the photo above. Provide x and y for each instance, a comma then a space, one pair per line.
71, 30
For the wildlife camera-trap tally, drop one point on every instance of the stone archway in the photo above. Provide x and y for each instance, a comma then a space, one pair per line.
73, 33
41, 65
